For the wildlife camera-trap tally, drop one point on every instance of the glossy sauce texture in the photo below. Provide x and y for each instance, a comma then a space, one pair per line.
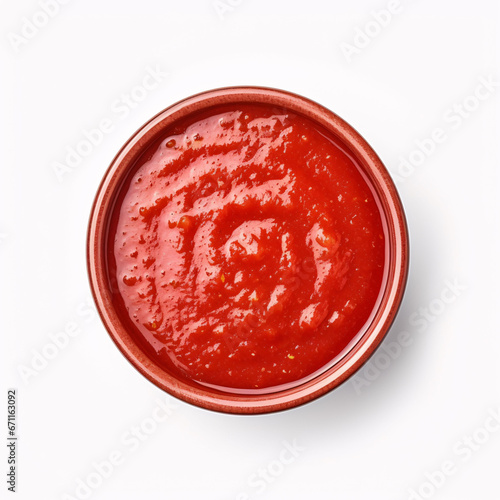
249, 250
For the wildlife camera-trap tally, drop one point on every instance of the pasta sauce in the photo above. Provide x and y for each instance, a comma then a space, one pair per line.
248, 248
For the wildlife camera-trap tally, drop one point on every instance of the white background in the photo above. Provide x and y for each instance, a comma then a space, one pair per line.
376, 441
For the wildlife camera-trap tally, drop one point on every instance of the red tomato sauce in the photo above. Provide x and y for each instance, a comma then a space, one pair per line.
248, 250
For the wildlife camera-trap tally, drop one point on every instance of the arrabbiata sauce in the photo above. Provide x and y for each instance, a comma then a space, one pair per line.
248, 248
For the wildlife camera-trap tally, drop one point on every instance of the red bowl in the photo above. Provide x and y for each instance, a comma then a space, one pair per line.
189, 390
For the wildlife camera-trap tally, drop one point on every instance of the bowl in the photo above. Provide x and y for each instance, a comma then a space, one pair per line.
213, 398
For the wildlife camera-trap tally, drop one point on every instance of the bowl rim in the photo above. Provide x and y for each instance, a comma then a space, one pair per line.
324, 382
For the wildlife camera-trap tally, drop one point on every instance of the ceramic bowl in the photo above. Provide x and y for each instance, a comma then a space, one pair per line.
189, 390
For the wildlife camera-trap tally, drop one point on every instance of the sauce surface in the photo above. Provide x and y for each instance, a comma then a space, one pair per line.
248, 248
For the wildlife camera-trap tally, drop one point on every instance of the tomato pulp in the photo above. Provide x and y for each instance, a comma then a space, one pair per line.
248, 248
